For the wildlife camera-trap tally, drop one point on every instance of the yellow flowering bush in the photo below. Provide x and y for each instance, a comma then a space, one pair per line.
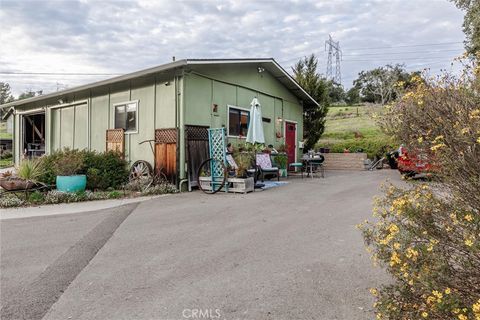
427, 235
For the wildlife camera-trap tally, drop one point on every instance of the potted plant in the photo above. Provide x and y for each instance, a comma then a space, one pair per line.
243, 161
242, 182
68, 168
27, 176
281, 161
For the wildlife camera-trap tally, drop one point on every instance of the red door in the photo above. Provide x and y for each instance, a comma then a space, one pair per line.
290, 140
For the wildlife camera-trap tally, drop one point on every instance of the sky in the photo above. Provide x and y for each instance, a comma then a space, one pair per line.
90, 40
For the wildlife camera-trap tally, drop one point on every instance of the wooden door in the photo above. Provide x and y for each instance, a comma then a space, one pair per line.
166, 153
290, 140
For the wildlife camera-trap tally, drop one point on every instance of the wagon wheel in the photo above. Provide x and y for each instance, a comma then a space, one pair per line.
216, 171
160, 178
141, 171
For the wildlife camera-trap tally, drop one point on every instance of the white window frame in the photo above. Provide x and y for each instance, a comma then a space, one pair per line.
228, 120
115, 105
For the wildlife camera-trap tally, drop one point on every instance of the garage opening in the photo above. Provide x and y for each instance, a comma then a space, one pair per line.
34, 135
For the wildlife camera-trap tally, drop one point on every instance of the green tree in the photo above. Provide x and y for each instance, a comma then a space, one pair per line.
352, 96
5, 96
471, 24
305, 73
336, 93
380, 84
5, 93
29, 94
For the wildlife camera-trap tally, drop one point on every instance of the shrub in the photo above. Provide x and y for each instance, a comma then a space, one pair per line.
374, 147
56, 196
428, 238
163, 188
30, 170
114, 194
48, 174
104, 170
10, 201
36, 197
70, 162
138, 185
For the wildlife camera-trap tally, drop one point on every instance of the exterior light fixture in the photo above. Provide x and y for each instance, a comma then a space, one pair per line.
260, 69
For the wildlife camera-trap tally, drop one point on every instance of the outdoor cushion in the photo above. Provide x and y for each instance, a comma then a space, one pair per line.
264, 161
296, 164
231, 162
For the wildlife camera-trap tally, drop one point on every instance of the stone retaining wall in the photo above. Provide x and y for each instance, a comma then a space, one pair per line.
345, 161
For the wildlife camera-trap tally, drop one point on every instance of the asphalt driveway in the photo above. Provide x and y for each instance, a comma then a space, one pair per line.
291, 252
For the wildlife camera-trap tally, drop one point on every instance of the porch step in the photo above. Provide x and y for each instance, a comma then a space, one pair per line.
345, 161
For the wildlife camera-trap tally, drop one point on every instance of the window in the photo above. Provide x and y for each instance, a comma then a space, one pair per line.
238, 122
126, 116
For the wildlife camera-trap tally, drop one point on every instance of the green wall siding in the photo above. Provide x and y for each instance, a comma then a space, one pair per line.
159, 106
143, 90
198, 100
165, 104
81, 127
99, 121
66, 125
224, 86
82, 123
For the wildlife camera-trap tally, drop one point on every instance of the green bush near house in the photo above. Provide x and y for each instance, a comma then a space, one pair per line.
104, 170
372, 146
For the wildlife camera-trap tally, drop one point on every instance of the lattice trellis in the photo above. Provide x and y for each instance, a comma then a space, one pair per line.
196, 133
115, 140
166, 135
216, 140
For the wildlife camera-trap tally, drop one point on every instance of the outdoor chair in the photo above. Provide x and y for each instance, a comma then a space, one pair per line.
297, 165
264, 162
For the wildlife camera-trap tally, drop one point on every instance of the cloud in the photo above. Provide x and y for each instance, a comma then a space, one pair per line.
91, 36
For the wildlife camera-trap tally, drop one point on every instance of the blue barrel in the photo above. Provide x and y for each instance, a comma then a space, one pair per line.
74, 183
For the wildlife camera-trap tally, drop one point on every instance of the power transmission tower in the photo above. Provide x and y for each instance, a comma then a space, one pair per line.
333, 50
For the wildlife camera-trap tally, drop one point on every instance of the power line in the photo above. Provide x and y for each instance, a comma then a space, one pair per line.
397, 59
407, 46
388, 47
404, 52
59, 73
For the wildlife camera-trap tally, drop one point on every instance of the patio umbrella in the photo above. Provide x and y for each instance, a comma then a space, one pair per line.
255, 126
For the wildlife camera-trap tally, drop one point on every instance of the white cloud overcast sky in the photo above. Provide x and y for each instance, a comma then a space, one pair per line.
94, 36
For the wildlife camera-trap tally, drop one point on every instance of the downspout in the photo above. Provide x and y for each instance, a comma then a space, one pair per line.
181, 132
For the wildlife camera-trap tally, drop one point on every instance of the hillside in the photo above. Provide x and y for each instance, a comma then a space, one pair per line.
353, 128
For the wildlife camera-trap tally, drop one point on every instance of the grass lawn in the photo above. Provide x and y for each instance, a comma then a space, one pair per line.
353, 128
5, 163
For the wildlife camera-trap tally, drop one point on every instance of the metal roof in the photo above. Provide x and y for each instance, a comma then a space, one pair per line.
268, 63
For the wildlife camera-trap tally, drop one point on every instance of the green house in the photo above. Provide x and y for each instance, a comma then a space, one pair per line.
172, 105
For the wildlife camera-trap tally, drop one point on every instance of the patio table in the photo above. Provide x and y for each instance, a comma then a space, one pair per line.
312, 164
